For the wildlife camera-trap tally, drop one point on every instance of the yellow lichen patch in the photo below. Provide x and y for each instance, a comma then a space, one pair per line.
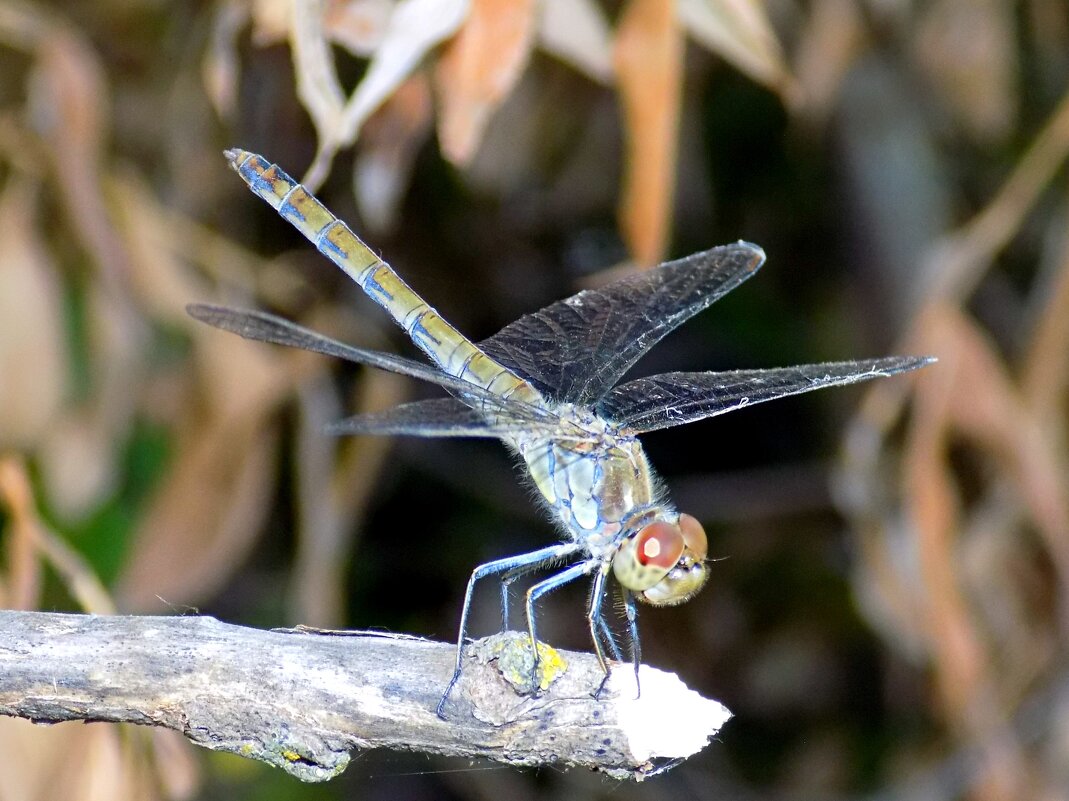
513, 653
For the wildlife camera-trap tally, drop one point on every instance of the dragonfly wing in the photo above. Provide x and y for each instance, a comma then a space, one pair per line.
265, 327
574, 350
672, 399
438, 417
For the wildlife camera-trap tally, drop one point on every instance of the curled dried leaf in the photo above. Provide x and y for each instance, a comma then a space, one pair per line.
358, 25
648, 56
576, 31
220, 70
478, 69
415, 27
738, 31
388, 152
33, 347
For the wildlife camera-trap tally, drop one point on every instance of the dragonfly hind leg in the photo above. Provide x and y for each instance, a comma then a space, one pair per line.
507, 580
514, 564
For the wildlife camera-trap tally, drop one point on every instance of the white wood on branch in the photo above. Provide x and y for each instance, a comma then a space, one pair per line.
304, 700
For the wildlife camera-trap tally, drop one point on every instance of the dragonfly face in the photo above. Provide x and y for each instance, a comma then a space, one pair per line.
663, 562
546, 385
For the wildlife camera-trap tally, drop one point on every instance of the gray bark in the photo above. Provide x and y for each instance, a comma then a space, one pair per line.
302, 700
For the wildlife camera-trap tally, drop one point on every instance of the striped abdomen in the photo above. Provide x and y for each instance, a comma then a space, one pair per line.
448, 348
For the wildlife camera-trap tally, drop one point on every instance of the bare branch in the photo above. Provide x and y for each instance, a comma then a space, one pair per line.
302, 700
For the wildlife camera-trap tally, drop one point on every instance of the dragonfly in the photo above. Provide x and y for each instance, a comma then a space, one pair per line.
547, 386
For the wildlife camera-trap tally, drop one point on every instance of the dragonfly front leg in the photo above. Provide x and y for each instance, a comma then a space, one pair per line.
597, 619
541, 588
609, 638
521, 564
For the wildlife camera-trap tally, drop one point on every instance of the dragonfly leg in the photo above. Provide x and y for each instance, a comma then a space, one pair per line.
541, 588
631, 610
609, 639
507, 580
596, 620
527, 561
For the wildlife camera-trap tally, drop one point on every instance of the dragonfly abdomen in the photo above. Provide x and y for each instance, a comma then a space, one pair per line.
448, 348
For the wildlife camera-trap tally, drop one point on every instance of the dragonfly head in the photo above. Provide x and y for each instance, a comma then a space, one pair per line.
663, 562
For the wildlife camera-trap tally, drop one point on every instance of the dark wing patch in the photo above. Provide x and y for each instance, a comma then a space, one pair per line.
574, 350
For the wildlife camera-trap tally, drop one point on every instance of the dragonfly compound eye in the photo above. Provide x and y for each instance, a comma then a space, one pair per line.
681, 580
646, 557
694, 536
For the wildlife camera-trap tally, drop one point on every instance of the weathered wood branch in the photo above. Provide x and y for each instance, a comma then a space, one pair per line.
303, 700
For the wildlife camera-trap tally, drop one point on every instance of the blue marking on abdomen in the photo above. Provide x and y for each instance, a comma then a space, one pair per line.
376, 291
290, 212
255, 178
418, 331
327, 246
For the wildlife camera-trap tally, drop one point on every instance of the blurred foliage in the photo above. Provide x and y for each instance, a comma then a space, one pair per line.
890, 624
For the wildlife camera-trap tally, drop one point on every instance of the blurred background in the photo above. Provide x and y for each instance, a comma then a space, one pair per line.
887, 614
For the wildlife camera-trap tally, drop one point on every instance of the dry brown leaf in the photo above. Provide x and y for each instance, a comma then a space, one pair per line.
969, 51
33, 348
576, 32
832, 38
357, 25
935, 512
79, 451
318, 87
271, 20
31, 542
211, 505
648, 57
415, 27
478, 69
31, 755
387, 153
335, 480
69, 104
78, 462
205, 517
106, 763
175, 763
996, 417
1046, 365
957, 264
221, 69
21, 585
75, 763
738, 31
162, 244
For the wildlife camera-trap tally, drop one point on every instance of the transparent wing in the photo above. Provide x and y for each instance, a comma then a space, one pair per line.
444, 417
574, 350
672, 399
265, 327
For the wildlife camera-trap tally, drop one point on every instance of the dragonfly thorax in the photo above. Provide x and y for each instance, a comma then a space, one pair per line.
594, 481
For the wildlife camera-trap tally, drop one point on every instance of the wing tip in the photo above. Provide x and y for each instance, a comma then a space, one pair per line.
755, 253
917, 362
200, 311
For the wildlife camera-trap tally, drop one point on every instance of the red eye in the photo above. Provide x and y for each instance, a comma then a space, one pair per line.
659, 544
694, 536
